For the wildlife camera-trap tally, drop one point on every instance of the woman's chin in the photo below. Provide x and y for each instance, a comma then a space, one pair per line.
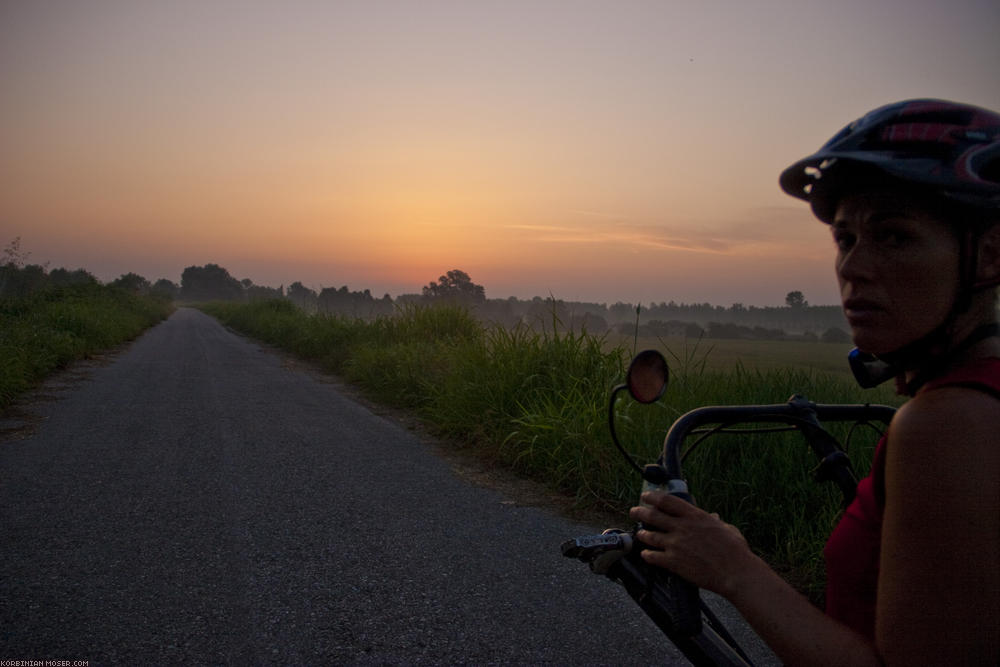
880, 342
872, 344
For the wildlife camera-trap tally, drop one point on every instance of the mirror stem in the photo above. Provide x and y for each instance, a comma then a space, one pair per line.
611, 424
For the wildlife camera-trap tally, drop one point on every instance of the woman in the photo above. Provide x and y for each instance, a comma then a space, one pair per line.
911, 192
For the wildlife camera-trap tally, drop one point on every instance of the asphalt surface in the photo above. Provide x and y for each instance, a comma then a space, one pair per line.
198, 500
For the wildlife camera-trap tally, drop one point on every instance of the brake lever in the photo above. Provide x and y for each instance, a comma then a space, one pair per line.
600, 552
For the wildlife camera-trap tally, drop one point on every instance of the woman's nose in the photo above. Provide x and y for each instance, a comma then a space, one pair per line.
858, 263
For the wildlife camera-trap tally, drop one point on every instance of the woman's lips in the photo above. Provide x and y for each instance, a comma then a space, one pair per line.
860, 310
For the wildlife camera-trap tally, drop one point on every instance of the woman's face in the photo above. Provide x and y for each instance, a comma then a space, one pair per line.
897, 265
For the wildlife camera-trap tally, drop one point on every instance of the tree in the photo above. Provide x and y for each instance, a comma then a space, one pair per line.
551, 312
13, 255
66, 278
18, 282
131, 282
693, 330
622, 312
796, 300
263, 293
588, 322
13, 262
302, 296
456, 286
204, 283
164, 288
835, 335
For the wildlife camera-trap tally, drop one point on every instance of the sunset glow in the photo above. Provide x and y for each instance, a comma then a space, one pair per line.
590, 150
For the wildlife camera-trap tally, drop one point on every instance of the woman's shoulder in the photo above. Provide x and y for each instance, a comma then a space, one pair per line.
951, 432
964, 397
957, 409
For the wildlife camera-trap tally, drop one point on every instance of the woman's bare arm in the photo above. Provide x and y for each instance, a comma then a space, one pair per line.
939, 582
939, 585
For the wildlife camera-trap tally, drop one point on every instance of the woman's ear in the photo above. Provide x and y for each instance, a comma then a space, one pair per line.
988, 260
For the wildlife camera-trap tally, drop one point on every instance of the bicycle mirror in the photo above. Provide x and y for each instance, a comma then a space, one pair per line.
647, 376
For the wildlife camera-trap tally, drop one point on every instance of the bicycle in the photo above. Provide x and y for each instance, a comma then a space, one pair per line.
674, 604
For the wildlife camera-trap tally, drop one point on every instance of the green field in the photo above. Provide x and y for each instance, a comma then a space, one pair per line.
722, 355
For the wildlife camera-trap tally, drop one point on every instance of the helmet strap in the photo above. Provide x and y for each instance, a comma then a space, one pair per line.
939, 364
968, 262
871, 371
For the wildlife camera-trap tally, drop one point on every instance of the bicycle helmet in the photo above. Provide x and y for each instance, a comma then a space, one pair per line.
951, 149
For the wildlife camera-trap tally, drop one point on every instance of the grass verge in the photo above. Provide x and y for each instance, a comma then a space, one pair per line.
52, 327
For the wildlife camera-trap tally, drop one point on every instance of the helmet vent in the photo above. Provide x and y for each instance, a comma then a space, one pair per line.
960, 117
935, 141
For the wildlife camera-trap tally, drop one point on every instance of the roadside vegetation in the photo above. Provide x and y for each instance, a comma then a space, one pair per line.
526, 389
535, 399
51, 318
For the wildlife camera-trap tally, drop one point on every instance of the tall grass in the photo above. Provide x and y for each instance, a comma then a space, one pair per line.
47, 329
536, 401
764, 483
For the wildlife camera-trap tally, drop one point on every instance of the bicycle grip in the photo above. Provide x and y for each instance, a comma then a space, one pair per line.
686, 602
682, 602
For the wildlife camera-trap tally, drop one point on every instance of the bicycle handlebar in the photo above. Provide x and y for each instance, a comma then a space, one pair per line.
674, 603
798, 412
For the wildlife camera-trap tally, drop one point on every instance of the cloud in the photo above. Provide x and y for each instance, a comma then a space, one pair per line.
626, 234
758, 228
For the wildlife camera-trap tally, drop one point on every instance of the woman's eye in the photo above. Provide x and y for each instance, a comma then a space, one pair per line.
843, 240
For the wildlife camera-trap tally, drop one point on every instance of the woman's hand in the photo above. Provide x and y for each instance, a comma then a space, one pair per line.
692, 543
713, 555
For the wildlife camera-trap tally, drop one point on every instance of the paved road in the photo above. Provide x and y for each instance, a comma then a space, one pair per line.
199, 501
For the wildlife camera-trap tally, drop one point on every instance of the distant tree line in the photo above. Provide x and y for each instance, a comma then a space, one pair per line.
212, 282
20, 280
673, 319
732, 331
797, 320
340, 301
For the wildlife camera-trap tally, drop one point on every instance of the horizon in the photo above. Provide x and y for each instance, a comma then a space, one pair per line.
625, 152
418, 290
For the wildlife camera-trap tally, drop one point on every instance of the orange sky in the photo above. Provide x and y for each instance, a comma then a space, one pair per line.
591, 150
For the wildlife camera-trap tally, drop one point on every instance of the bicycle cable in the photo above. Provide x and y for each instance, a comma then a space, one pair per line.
727, 429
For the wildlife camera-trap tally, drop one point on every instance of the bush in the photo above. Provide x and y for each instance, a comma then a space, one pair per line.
53, 326
835, 335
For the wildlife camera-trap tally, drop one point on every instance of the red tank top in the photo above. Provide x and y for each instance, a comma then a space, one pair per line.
852, 552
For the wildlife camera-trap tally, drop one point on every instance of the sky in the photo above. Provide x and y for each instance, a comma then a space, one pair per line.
588, 150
